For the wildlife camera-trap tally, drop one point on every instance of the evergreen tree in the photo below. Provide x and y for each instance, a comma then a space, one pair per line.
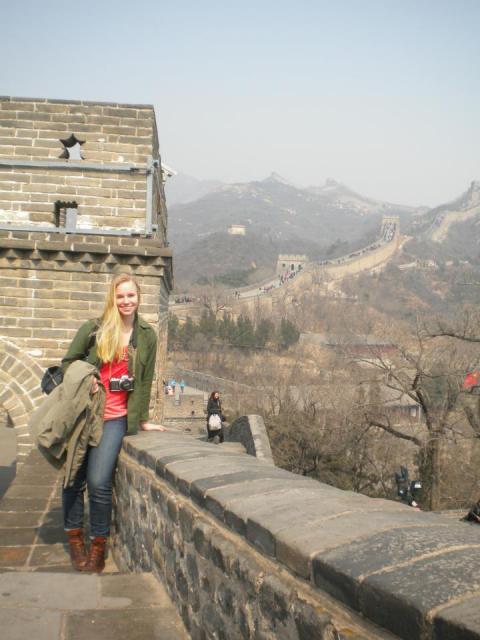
226, 329
288, 334
187, 333
208, 324
263, 332
245, 336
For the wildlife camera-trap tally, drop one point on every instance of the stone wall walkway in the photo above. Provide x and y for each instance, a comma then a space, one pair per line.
41, 595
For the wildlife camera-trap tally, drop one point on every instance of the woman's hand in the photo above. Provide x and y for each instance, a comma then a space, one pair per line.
150, 426
94, 388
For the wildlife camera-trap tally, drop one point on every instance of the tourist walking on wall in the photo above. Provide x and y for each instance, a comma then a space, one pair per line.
122, 348
215, 418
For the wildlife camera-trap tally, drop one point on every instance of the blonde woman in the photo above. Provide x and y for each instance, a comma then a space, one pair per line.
122, 346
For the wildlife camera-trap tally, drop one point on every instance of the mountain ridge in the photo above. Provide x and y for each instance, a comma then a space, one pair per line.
283, 209
322, 222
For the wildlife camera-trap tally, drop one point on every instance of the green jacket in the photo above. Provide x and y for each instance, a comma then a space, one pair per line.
83, 347
70, 420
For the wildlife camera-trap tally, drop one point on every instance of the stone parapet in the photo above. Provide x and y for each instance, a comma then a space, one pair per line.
248, 550
252, 433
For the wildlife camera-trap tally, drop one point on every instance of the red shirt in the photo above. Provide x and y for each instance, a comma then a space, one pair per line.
115, 401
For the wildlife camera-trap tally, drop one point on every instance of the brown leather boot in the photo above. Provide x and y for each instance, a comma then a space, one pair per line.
96, 555
78, 554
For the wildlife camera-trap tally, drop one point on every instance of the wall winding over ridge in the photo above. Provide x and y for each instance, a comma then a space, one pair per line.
248, 550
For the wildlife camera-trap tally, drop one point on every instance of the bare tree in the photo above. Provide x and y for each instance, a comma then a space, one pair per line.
430, 372
213, 297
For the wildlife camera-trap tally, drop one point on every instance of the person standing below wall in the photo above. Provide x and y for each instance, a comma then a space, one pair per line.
122, 346
215, 418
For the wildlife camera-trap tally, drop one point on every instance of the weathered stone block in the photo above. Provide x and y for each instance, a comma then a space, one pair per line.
202, 535
172, 508
187, 522
312, 624
192, 570
181, 585
400, 600
183, 474
202, 488
274, 600
339, 571
296, 546
459, 622
213, 622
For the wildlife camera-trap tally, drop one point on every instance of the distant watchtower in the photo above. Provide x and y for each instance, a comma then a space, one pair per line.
81, 197
289, 263
237, 230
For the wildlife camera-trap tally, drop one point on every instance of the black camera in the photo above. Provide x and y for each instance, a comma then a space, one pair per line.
124, 383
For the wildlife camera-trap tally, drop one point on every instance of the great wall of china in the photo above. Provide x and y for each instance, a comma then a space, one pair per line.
313, 275
244, 549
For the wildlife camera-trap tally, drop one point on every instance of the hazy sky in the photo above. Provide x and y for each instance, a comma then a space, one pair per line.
383, 95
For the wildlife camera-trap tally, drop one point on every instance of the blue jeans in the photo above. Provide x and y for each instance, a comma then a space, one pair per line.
96, 473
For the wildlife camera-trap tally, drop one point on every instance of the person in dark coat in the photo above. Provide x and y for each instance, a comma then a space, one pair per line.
215, 418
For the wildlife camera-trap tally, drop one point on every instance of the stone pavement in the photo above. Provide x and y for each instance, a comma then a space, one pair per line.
43, 597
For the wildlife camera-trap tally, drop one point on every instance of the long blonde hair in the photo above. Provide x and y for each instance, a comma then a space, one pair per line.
109, 336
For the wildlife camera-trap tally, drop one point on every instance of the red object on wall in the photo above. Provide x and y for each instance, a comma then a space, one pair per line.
472, 379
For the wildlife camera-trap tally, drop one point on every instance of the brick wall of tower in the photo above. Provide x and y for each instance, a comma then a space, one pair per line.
52, 281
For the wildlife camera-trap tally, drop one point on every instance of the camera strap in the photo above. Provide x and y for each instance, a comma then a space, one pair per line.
130, 349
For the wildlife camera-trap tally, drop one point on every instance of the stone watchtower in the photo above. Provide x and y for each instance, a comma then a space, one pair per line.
81, 198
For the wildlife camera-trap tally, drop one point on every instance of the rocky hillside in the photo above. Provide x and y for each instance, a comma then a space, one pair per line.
279, 217
450, 231
340, 196
221, 254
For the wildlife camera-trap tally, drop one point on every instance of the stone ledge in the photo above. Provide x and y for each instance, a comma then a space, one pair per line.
251, 432
92, 103
222, 587
73, 243
376, 556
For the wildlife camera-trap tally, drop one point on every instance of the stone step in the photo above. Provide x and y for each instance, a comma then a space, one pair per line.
56, 606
